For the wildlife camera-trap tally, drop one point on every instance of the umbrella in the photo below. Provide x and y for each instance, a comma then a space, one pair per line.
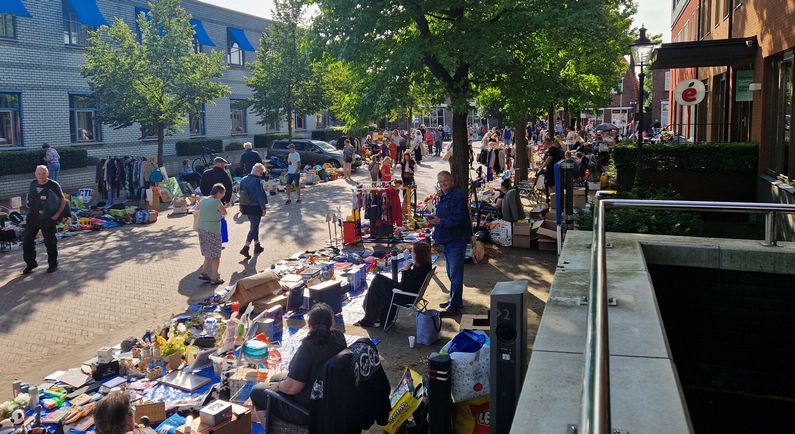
606, 127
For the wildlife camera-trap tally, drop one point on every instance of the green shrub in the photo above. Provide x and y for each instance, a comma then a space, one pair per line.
335, 133
264, 140
711, 157
646, 221
25, 161
92, 161
233, 146
197, 146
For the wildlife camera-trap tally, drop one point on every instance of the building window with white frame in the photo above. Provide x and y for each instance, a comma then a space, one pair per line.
236, 56
667, 80
10, 119
238, 116
84, 123
8, 26
196, 122
299, 122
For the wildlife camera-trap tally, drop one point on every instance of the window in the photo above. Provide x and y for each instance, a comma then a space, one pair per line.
84, 123
74, 32
664, 113
238, 116
8, 28
705, 17
686, 33
321, 120
236, 55
432, 119
10, 119
716, 12
299, 122
196, 122
667, 80
273, 125
781, 110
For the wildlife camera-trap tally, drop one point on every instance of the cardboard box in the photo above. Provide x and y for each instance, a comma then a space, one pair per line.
522, 241
547, 245
155, 411
240, 424
522, 228
266, 303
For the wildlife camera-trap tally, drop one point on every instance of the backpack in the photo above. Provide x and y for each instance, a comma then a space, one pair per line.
156, 176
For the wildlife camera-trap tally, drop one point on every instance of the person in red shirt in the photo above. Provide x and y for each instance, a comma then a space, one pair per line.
386, 170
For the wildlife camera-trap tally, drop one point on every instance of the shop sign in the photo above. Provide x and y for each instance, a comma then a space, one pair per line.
690, 92
744, 80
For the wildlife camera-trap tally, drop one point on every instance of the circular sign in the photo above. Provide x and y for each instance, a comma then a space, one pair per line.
690, 92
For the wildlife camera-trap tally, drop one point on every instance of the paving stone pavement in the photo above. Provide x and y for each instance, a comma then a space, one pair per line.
114, 284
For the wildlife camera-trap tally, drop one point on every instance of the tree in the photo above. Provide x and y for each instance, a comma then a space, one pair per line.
446, 43
155, 82
285, 80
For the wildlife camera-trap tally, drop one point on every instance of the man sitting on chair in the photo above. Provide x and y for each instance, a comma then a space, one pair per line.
379, 294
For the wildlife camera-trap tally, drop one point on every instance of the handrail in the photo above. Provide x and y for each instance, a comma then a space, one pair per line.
595, 399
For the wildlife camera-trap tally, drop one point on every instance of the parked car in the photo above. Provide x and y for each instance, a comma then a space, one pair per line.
314, 152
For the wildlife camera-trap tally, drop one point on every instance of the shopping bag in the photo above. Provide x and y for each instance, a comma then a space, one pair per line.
429, 327
501, 232
405, 399
224, 231
469, 359
473, 416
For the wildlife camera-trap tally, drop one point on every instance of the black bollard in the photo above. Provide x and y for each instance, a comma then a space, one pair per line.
440, 404
394, 266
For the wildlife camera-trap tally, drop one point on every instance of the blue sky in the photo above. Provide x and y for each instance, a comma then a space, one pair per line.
655, 14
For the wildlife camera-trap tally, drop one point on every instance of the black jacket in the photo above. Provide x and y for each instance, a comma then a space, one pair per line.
248, 159
216, 175
351, 392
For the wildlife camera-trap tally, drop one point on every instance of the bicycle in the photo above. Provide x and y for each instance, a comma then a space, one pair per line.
203, 161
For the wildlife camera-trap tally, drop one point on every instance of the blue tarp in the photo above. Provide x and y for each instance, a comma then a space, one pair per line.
239, 36
14, 7
201, 33
88, 12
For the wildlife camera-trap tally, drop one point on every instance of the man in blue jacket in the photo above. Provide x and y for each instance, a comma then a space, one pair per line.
249, 158
453, 230
253, 202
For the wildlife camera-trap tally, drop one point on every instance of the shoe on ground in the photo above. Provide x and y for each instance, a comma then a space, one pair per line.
298, 201
52, 268
258, 249
449, 313
444, 305
244, 252
288, 201
29, 268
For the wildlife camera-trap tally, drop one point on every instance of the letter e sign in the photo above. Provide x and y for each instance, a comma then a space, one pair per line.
689, 92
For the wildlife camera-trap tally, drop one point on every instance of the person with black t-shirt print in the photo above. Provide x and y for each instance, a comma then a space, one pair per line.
321, 344
46, 204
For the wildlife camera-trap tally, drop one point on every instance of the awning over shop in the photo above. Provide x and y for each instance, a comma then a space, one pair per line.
201, 33
239, 36
87, 12
14, 7
719, 52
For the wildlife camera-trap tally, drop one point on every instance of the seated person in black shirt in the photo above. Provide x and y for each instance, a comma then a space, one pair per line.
379, 294
321, 344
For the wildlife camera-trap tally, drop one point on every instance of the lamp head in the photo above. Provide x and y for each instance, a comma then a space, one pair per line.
642, 49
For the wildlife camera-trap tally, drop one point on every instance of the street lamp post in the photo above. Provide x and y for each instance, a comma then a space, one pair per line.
641, 49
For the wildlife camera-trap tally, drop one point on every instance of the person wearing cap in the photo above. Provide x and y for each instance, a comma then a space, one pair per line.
217, 175
293, 172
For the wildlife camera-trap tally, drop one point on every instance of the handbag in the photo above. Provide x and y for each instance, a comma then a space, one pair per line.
224, 231
429, 327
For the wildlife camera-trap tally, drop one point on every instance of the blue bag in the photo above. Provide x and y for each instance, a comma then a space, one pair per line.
429, 327
224, 232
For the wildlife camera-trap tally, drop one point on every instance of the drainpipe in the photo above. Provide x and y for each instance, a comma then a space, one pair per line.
730, 83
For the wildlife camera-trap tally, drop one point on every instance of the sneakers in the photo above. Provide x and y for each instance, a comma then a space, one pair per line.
258, 249
244, 252
288, 201
444, 305
449, 313
29, 268
298, 201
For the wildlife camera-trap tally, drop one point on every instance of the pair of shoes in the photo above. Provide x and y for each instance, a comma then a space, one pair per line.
29, 268
449, 313
217, 281
258, 249
298, 201
288, 202
203, 276
444, 305
244, 252
52, 268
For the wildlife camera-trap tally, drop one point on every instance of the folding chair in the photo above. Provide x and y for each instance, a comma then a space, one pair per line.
279, 426
418, 301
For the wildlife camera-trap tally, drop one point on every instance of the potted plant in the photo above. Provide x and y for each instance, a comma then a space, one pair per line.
172, 349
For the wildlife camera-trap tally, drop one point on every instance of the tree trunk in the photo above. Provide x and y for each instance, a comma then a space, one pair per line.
551, 125
522, 157
290, 126
459, 164
160, 138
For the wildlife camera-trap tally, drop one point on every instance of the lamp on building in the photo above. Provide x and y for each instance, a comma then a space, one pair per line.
641, 49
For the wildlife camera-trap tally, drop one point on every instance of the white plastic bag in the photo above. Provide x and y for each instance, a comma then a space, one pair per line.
470, 370
501, 232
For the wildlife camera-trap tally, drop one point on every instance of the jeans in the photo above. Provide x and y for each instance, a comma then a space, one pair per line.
279, 408
29, 242
454, 258
253, 230
55, 169
438, 148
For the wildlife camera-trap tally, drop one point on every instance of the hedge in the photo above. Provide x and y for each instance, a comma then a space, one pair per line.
335, 133
197, 146
233, 146
264, 140
25, 161
713, 157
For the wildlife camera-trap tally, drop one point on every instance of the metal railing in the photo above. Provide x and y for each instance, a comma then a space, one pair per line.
595, 399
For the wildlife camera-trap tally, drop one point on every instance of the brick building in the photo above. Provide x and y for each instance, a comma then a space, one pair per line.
44, 98
661, 79
743, 51
623, 104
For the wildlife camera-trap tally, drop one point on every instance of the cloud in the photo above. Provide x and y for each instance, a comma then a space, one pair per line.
656, 16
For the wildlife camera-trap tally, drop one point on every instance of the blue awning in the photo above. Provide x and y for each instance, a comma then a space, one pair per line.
87, 12
14, 7
239, 36
201, 33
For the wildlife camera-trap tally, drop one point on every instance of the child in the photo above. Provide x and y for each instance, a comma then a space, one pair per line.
386, 170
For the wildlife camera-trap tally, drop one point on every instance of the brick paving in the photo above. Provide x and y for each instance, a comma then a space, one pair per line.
114, 284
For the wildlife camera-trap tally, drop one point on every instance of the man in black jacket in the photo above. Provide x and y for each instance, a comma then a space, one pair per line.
46, 204
249, 158
214, 175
